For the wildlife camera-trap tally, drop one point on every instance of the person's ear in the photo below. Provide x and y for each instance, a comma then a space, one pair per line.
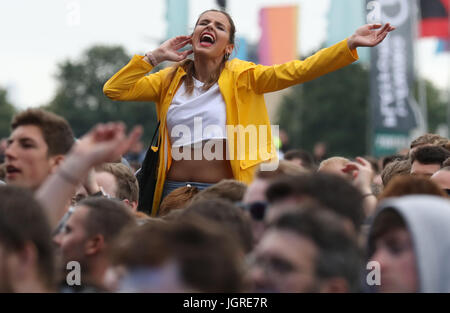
94, 245
131, 204
55, 161
127, 202
229, 49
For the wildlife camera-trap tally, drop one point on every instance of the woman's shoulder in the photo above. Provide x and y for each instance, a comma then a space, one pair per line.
169, 70
237, 65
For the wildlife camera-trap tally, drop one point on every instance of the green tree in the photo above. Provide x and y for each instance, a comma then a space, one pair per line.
332, 109
436, 105
80, 99
6, 113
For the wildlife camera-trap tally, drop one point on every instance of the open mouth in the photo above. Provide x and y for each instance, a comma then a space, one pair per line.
11, 170
207, 39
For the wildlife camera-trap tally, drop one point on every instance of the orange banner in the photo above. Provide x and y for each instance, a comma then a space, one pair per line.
278, 43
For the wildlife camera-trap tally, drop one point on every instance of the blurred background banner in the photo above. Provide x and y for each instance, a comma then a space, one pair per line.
435, 18
443, 46
344, 16
177, 18
395, 113
241, 49
278, 43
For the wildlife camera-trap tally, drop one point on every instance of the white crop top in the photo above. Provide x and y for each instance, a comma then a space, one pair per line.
197, 117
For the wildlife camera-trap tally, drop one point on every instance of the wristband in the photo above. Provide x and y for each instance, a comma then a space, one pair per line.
368, 195
152, 58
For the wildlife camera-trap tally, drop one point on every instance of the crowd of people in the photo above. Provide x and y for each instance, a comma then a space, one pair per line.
304, 227
235, 219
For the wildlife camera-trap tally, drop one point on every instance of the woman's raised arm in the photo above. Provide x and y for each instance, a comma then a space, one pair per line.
265, 79
131, 82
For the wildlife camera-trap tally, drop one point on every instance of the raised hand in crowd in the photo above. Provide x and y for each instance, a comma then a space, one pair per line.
104, 143
90, 184
363, 174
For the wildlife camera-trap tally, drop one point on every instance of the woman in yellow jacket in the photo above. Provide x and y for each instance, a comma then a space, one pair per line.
214, 121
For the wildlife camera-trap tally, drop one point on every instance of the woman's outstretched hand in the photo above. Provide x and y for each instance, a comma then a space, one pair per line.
369, 36
168, 51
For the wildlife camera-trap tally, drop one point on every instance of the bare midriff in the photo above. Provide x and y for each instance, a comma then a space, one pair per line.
199, 168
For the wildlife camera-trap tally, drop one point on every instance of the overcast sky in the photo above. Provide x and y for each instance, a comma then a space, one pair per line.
37, 35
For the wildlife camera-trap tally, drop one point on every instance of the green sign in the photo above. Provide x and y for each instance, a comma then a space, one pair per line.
386, 143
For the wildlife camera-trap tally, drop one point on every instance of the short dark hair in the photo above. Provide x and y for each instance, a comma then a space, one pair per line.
227, 215
387, 220
430, 155
392, 158
22, 221
106, 217
55, 129
329, 190
208, 259
339, 255
305, 156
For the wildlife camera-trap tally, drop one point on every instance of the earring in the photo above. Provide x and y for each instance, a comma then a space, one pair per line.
227, 56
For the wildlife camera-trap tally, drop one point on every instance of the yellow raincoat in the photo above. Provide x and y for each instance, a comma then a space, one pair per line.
242, 85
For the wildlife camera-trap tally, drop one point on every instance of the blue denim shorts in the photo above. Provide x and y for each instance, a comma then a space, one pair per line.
170, 186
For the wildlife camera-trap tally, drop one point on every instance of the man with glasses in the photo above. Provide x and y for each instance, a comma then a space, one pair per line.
255, 201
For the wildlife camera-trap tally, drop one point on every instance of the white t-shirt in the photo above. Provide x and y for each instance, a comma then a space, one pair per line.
197, 117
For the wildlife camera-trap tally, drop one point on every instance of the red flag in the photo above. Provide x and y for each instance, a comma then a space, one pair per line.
435, 18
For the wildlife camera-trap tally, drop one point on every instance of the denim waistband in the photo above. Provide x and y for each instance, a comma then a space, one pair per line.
170, 186
178, 184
